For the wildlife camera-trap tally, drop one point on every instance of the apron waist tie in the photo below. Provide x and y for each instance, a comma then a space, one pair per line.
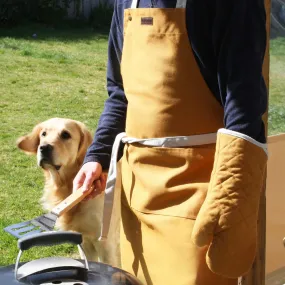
170, 142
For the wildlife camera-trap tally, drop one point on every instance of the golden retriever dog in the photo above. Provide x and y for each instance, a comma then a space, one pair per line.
60, 146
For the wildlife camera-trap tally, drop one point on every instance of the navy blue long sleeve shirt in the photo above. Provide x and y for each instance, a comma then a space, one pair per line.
228, 39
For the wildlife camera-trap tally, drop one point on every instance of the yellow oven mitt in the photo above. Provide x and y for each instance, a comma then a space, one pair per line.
227, 221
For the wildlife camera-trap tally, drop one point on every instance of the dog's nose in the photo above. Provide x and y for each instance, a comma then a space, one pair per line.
46, 149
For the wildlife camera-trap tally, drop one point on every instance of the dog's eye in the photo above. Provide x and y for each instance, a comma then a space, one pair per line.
44, 134
65, 135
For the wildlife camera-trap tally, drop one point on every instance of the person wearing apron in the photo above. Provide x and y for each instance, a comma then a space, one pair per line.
190, 187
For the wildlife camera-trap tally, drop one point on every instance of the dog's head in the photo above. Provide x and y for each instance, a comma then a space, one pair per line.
59, 143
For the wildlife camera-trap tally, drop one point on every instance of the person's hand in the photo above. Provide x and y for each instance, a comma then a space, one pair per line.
90, 175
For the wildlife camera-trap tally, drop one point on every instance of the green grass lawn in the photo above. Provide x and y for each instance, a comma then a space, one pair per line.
62, 73
276, 120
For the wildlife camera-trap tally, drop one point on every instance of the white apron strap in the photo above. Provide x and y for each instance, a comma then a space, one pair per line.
180, 141
110, 185
179, 4
134, 4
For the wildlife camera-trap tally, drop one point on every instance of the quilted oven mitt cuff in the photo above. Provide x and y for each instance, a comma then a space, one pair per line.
227, 221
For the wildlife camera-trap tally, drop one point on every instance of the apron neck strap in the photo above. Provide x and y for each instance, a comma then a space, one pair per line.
134, 4
179, 4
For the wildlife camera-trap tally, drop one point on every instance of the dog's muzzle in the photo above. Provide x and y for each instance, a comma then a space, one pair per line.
45, 156
46, 150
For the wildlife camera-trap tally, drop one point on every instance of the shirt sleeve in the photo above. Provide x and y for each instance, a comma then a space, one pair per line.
239, 36
113, 118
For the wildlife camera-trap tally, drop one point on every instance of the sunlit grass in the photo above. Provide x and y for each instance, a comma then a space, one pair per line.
62, 73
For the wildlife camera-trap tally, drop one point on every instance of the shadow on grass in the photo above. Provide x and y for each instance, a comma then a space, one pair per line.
64, 32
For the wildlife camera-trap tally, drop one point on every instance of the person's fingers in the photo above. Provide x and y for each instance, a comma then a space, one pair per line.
89, 172
78, 180
103, 180
89, 179
98, 188
98, 185
90, 195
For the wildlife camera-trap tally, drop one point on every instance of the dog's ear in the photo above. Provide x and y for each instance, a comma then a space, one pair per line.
30, 142
85, 141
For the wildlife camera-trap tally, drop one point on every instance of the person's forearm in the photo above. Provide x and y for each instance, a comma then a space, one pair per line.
242, 86
112, 122
113, 118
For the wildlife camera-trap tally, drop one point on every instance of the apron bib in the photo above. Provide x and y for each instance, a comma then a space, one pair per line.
173, 117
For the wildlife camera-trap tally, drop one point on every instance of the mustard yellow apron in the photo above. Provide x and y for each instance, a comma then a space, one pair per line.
172, 121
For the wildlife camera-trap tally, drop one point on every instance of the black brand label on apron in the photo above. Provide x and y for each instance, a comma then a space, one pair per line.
147, 21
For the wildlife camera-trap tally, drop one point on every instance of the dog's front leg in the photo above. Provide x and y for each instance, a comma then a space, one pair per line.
89, 250
109, 252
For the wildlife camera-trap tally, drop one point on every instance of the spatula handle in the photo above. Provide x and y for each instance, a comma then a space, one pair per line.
70, 201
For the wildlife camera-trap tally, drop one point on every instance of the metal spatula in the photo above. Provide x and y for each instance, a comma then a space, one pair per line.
47, 221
